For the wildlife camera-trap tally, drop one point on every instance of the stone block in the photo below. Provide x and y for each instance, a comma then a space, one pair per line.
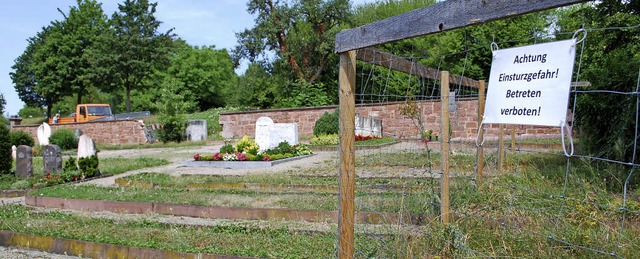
52, 159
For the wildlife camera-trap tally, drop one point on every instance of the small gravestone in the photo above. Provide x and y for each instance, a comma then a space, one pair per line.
43, 134
52, 159
24, 162
196, 130
14, 149
263, 127
149, 135
86, 147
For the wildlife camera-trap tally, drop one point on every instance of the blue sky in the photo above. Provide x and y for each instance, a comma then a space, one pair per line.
199, 22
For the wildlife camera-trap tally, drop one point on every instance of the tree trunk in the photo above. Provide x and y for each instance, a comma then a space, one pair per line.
128, 101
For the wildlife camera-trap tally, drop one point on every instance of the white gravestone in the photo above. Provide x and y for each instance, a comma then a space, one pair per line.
283, 132
368, 126
14, 151
263, 126
44, 132
269, 134
86, 147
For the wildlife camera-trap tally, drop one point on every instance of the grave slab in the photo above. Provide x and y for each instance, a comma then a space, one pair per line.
24, 162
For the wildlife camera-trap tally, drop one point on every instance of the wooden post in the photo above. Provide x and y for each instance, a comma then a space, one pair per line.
347, 81
480, 150
513, 137
444, 181
501, 147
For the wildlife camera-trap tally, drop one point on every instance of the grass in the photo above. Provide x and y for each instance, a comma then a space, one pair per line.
107, 166
166, 181
533, 208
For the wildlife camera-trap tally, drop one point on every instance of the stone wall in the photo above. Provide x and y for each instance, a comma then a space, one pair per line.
106, 132
463, 120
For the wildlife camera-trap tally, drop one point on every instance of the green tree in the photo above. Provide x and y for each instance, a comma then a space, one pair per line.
133, 48
258, 87
610, 61
5, 150
24, 76
205, 71
300, 32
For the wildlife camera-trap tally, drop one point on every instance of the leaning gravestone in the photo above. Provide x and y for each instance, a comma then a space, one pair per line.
43, 134
86, 147
196, 130
263, 127
24, 162
52, 159
14, 151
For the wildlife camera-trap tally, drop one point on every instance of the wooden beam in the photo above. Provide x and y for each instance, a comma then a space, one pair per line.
347, 81
443, 16
388, 60
444, 152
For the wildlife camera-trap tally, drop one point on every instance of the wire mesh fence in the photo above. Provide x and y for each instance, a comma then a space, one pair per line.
531, 199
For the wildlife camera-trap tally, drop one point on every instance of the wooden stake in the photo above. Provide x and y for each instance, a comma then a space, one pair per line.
444, 181
513, 137
480, 150
501, 147
347, 78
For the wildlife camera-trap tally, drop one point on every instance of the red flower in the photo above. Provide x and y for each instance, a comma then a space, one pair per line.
196, 157
266, 158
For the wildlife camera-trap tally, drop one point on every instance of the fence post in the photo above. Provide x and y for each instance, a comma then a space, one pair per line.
480, 150
513, 137
501, 147
444, 181
347, 81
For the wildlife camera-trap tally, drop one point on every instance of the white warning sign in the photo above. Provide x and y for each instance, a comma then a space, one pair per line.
530, 85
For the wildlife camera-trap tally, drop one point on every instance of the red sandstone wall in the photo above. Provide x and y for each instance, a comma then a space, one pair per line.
463, 120
107, 132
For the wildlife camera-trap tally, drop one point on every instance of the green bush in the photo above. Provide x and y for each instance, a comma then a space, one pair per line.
70, 165
5, 151
325, 140
247, 145
282, 148
328, 123
227, 148
28, 112
173, 128
64, 138
20, 185
88, 166
18, 138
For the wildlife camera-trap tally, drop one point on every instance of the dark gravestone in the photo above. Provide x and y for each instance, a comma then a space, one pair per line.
52, 159
24, 163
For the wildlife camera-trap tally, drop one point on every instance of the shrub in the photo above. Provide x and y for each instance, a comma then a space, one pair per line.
88, 166
64, 138
325, 140
227, 148
22, 184
328, 123
18, 138
5, 151
28, 112
70, 165
247, 145
173, 128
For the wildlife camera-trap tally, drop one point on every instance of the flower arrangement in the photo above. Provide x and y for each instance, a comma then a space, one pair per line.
364, 138
247, 150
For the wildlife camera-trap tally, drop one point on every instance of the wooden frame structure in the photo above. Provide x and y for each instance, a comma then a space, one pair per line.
443, 16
